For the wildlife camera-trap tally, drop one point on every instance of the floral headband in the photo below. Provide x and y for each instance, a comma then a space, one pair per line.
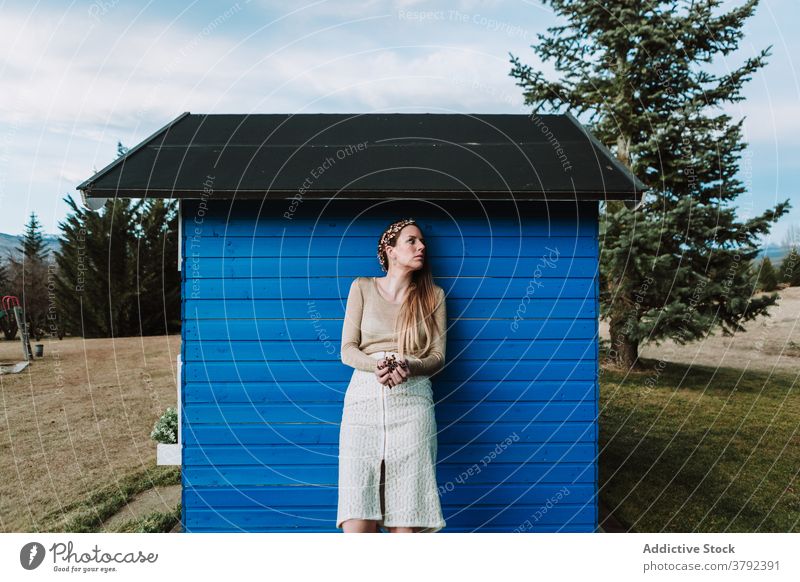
388, 235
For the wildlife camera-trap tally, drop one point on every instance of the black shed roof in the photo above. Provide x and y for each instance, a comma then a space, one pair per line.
369, 155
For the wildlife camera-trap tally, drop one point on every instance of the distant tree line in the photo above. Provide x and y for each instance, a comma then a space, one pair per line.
114, 275
787, 274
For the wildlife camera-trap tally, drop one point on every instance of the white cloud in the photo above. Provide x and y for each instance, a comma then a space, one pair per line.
150, 73
777, 122
56, 76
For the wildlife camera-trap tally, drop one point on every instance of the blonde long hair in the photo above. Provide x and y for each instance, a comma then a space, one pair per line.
415, 327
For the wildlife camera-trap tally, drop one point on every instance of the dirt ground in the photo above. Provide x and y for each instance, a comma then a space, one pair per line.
79, 419
770, 343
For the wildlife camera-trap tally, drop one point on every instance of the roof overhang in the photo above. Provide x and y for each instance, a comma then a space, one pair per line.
369, 157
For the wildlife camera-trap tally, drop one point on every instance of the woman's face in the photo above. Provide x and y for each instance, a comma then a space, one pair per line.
409, 249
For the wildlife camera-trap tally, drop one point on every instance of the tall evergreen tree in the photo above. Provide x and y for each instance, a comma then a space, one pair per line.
28, 275
33, 245
77, 291
157, 260
118, 268
96, 286
767, 277
677, 266
789, 270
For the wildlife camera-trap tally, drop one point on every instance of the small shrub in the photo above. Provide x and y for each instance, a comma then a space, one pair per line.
767, 277
166, 428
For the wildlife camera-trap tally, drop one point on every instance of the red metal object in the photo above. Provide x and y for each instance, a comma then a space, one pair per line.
10, 301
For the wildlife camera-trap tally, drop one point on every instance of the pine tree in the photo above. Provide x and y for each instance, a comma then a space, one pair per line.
75, 287
157, 257
33, 245
789, 270
677, 266
118, 273
28, 277
96, 284
96, 287
767, 277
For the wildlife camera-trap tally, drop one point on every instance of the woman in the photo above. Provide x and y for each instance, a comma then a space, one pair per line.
394, 335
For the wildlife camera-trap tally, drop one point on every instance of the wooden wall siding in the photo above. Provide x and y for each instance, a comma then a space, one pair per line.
263, 301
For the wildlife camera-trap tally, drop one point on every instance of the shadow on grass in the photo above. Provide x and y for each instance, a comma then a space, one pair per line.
693, 448
87, 515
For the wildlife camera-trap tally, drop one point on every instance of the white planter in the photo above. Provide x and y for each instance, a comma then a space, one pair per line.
168, 454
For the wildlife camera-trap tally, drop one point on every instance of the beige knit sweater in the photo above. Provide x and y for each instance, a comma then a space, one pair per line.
369, 327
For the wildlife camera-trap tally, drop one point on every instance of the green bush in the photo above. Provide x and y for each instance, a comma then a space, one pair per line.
166, 428
789, 271
767, 277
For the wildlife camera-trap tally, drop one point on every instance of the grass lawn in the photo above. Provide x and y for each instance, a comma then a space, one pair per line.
75, 428
698, 449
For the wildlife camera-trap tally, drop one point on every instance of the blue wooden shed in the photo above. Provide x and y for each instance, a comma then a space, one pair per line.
279, 213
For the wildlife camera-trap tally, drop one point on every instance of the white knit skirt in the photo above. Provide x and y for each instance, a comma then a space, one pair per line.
396, 425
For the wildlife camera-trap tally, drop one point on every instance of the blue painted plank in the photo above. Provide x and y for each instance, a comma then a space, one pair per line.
368, 210
538, 528
466, 228
249, 268
475, 412
454, 475
247, 519
230, 475
495, 369
322, 433
498, 245
328, 309
263, 496
499, 516
514, 516
289, 454
505, 494
502, 391
326, 348
263, 392
319, 474
279, 454
329, 287
311, 496
299, 329
542, 224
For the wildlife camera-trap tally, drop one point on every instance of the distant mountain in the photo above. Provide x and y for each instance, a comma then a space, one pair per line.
774, 252
9, 243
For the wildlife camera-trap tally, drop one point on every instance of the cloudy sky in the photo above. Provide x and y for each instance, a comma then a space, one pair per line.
78, 77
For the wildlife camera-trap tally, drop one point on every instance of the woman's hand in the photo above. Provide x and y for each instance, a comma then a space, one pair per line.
389, 377
399, 374
382, 372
